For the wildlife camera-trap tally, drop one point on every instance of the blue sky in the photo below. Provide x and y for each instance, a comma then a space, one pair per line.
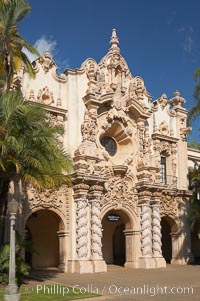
160, 40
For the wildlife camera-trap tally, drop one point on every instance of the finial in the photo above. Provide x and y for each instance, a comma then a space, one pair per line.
176, 93
114, 41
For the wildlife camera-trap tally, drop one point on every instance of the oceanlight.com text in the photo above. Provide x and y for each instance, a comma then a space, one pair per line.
111, 289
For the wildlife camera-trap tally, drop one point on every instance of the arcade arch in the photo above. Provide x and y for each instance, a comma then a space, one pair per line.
169, 231
46, 230
119, 238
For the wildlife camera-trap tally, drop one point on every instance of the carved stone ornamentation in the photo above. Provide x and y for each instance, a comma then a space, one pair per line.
103, 86
165, 147
46, 62
177, 100
145, 228
156, 230
59, 102
184, 132
32, 95
48, 198
119, 192
169, 205
147, 147
163, 101
114, 41
164, 128
56, 119
141, 129
45, 96
140, 90
88, 128
96, 230
88, 146
80, 189
91, 68
81, 228
132, 90
174, 158
118, 109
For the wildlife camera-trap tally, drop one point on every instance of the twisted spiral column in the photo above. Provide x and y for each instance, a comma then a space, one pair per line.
81, 229
145, 230
96, 230
156, 230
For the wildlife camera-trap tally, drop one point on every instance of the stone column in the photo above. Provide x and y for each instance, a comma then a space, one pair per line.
145, 220
81, 229
156, 231
82, 265
146, 235
185, 242
62, 250
176, 239
99, 264
179, 249
132, 247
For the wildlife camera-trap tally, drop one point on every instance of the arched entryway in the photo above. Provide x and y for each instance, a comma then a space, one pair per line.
117, 238
169, 237
119, 247
43, 228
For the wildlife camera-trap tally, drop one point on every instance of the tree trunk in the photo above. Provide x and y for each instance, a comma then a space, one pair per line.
8, 73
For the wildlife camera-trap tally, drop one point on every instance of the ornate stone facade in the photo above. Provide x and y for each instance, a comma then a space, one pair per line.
130, 166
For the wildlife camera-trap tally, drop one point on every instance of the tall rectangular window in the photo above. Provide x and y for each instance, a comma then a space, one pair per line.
163, 170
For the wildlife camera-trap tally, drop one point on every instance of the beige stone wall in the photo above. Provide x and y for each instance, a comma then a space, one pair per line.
105, 100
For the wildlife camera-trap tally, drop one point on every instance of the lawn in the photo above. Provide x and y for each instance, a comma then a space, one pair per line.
46, 292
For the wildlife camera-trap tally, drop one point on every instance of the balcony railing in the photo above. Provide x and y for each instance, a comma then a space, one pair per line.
170, 181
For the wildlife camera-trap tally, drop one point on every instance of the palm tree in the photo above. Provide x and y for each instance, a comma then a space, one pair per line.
12, 43
195, 110
194, 181
30, 149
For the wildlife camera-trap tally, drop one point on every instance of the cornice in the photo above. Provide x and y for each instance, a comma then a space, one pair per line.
74, 71
164, 137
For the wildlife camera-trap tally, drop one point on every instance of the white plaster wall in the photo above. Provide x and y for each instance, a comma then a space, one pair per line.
162, 115
76, 90
43, 79
193, 156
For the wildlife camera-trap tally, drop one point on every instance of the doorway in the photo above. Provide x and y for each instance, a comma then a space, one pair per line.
42, 230
115, 250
